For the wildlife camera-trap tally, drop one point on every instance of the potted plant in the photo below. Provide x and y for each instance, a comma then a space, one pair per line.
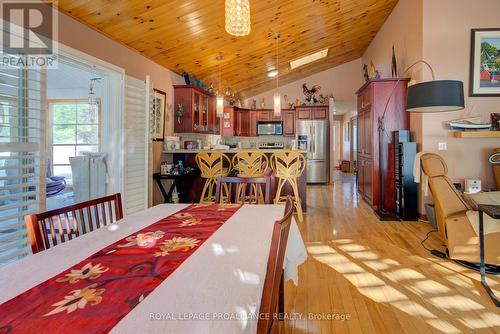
180, 112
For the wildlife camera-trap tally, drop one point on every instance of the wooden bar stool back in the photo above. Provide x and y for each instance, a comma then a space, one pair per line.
251, 164
288, 166
212, 165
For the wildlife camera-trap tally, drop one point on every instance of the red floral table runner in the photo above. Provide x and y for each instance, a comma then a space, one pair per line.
93, 295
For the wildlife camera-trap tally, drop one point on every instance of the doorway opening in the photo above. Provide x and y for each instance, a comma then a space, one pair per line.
76, 165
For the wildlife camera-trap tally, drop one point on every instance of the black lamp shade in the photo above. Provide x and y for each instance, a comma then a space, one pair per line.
435, 96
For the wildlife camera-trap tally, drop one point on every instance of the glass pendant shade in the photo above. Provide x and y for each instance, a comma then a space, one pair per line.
277, 104
220, 106
238, 17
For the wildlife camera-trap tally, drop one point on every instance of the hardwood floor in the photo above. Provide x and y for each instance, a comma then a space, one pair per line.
378, 275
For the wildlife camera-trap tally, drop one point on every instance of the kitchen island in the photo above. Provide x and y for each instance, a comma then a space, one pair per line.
187, 156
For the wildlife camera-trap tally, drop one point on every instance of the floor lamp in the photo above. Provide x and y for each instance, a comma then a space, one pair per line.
425, 97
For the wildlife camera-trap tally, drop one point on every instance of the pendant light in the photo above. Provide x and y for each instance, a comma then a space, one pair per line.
220, 97
277, 96
238, 17
92, 100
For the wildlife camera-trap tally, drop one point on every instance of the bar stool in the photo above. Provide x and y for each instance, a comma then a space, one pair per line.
288, 167
250, 164
211, 165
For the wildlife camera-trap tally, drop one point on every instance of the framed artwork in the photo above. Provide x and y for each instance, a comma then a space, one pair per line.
159, 107
485, 62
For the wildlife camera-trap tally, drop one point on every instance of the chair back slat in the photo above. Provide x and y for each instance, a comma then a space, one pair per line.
243, 190
52, 231
48, 229
110, 210
272, 296
74, 221
69, 231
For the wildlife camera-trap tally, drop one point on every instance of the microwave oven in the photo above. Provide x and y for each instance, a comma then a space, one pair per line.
270, 128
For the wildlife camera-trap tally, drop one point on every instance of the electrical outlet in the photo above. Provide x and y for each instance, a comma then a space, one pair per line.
442, 147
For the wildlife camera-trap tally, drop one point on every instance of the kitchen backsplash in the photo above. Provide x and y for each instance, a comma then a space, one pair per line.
246, 142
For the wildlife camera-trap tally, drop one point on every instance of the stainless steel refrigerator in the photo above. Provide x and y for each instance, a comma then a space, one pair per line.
314, 137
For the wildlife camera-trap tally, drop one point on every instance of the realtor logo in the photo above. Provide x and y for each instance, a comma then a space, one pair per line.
28, 32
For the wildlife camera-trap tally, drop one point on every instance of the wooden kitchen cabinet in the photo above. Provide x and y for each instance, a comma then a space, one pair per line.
252, 127
312, 112
245, 122
303, 113
264, 115
288, 122
199, 110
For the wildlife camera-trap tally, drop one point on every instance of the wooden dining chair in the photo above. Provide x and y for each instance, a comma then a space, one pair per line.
246, 190
272, 305
50, 228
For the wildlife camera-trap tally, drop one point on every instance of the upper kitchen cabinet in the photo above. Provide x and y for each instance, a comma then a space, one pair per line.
267, 115
199, 110
245, 122
288, 122
312, 112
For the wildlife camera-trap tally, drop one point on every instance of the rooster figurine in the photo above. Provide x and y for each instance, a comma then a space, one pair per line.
311, 93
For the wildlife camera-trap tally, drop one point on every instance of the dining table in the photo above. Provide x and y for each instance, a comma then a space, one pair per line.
216, 289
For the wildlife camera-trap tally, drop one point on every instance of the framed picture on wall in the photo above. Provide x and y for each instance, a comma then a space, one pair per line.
485, 62
159, 106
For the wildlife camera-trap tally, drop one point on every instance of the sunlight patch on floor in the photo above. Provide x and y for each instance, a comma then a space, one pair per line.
386, 281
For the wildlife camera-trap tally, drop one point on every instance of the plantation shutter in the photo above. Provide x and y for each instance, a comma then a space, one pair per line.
22, 165
136, 144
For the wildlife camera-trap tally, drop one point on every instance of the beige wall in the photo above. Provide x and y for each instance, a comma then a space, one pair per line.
403, 29
341, 81
78, 36
447, 48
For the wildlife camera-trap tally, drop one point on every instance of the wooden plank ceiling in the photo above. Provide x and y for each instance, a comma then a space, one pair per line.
188, 34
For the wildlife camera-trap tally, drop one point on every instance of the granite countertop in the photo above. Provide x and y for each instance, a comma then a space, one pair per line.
231, 150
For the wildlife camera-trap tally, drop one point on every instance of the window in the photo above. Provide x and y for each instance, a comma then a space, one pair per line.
75, 129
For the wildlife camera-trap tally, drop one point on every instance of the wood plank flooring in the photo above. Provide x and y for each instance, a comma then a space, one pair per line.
378, 275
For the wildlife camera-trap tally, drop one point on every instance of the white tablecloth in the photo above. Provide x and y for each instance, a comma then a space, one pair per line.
222, 280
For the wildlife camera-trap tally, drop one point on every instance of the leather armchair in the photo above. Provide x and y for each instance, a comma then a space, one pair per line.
455, 229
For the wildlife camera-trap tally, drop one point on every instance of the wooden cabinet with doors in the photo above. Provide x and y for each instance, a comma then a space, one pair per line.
288, 117
372, 99
312, 112
199, 110
264, 115
245, 122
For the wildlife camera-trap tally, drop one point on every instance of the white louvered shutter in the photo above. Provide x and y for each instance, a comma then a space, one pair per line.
136, 143
22, 158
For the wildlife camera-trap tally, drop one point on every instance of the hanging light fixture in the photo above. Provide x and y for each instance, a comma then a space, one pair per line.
93, 103
238, 17
220, 97
277, 96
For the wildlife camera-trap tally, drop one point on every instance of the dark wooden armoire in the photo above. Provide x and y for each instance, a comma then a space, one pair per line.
372, 99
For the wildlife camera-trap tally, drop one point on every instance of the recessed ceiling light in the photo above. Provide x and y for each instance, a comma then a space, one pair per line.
272, 73
308, 59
